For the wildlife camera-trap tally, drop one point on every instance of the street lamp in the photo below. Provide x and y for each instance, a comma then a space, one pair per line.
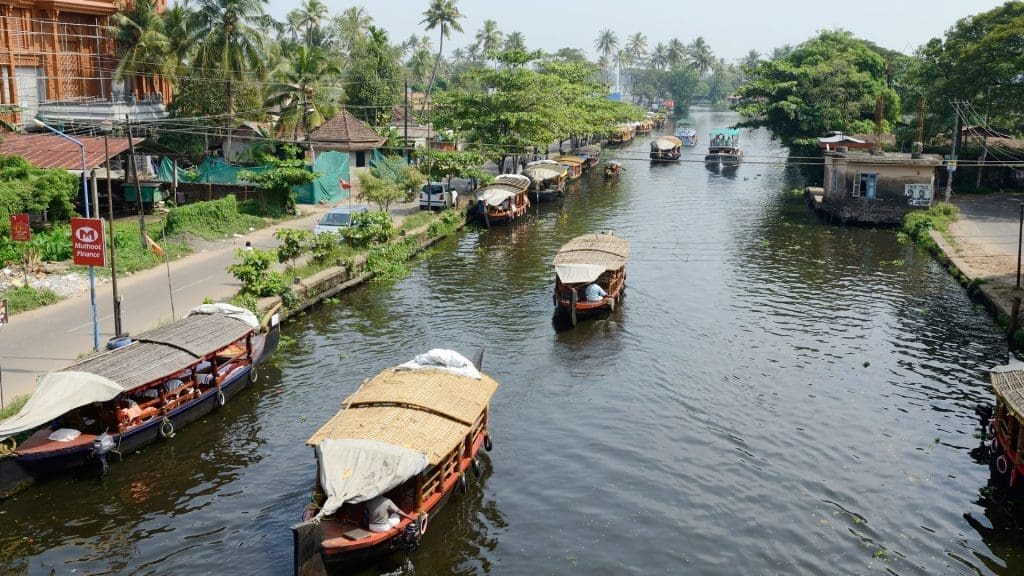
88, 214
106, 126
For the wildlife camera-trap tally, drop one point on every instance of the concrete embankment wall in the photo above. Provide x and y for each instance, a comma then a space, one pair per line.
997, 298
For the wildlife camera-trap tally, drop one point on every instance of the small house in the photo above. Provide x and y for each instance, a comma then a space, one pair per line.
346, 133
877, 188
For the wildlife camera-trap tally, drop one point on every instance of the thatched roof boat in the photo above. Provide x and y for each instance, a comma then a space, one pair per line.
585, 261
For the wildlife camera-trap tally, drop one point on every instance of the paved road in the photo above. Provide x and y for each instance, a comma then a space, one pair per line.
53, 337
986, 235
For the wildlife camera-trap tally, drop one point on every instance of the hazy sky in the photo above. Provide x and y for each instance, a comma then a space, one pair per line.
731, 27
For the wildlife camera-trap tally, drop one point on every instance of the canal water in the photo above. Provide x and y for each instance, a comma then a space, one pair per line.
775, 395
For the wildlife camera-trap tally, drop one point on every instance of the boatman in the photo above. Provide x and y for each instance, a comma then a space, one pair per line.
384, 515
594, 292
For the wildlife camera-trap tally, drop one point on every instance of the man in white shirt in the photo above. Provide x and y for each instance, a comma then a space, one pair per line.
384, 515
594, 293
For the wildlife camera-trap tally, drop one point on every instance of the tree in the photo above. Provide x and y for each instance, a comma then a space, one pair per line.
419, 66
659, 57
443, 15
701, 56
303, 90
25, 188
607, 43
445, 165
145, 50
231, 41
636, 46
489, 38
374, 78
830, 82
278, 184
352, 26
676, 54
311, 15
515, 41
389, 181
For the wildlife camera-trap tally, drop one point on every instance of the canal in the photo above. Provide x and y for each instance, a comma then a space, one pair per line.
774, 395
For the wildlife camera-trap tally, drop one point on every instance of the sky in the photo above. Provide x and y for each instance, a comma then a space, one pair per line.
731, 27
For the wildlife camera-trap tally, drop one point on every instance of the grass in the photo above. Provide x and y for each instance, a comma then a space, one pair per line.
12, 407
345, 252
916, 224
417, 220
25, 298
212, 220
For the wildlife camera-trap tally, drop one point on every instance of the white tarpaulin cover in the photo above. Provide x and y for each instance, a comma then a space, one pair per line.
494, 196
1013, 366
56, 394
353, 471
441, 359
227, 310
578, 273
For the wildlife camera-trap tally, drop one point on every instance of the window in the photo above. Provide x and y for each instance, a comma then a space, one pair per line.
865, 185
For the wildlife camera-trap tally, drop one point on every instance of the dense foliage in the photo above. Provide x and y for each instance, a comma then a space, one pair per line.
25, 188
278, 183
211, 220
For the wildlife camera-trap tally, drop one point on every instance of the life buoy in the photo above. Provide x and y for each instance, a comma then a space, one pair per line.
463, 485
488, 445
1002, 464
476, 467
166, 428
220, 397
422, 519
994, 444
611, 304
253, 375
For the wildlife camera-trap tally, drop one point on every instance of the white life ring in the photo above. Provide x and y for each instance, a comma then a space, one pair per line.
220, 397
166, 428
1002, 465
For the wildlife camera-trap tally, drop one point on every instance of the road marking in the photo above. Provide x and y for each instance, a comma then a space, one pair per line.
89, 324
191, 284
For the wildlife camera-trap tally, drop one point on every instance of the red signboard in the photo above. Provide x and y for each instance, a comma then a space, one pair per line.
20, 229
87, 242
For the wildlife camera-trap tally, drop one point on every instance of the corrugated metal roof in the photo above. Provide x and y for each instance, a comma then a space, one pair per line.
53, 151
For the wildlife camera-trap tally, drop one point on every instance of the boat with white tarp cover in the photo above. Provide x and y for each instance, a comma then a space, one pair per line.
590, 275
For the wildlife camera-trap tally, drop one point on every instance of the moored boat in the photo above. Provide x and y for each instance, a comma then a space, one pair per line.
126, 398
1006, 427
686, 133
645, 126
590, 154
590, 275
503, 200
573, 166
621, 134
724, 148
666, 149
547, 180
612, 169
410, 435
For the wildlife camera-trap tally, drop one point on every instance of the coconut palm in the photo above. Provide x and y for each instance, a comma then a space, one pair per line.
636, 46
301, 89
420, 64
659, 56
489, 38
352, 25
310, 16
701, 56
515, 41
676, 53
752, 59
145, 50
607, 42
443, 15
231, 42
781, 52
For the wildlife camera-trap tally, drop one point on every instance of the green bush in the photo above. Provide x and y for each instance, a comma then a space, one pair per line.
52, 245
370, 228
25, 298
390, 261
211, 220
293, 243
325, 247
916, 224
254, 273
445, 224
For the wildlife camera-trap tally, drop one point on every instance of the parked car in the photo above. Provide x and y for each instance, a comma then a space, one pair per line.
441, 196
338, 219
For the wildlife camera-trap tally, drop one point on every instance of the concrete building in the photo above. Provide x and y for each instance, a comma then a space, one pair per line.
876, 188
56, 54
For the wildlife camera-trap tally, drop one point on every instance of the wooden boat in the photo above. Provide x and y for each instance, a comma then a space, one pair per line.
645, 126
686, 133
591, 155
612, 169
589, 259
1007, 425
121, 400
411, 434
621, 134
724, 148
660, 119
547, 180
504, 200
573, 166
666, 149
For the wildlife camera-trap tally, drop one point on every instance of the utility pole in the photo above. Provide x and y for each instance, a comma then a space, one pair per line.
951, 163
105, 127
138, 189
405, 137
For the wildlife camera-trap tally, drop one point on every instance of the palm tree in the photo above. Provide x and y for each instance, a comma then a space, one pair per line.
301, 91
352, 26
231, 42
636, 46
701, 56
659, 57
781, 53
676, 53
752, 59
419, 65
489, 37
311, 15
515, 41
145, 50
606, 42
443, 15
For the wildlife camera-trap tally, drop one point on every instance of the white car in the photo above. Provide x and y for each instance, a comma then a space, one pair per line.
338, 219
441, 196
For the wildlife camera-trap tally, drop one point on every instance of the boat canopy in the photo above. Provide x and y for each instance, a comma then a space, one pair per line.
151, 357
353, 471
494, 195
571, 160
589, 150
541, 172
551, 163
605, 250
725, 132
578, 273
1008, 384
513, 180
56, 394
666, 143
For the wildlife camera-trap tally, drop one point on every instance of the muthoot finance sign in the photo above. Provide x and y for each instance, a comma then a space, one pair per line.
87, 242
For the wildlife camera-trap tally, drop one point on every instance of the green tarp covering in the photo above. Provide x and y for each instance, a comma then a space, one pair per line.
332, 167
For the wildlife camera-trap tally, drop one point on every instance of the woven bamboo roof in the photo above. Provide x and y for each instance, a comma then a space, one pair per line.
168, 349
542, 172
599, 249
1009, 385
589, 149
428, 411
513, 181
571, 160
